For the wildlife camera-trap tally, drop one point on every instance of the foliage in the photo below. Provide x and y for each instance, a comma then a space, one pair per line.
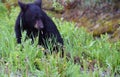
98, 57
57, 5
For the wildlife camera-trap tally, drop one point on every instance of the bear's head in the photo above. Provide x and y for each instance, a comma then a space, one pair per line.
32, 14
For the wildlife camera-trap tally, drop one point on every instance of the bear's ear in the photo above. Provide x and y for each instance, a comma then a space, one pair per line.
22, 6
39, 3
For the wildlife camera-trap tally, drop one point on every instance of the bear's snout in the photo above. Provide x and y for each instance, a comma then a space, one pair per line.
39, 24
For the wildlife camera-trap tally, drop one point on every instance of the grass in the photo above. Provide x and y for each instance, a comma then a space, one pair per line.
98, 57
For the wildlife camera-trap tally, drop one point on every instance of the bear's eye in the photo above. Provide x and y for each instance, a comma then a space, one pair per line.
35, 17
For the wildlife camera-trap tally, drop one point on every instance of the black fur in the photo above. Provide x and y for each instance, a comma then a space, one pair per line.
36, 22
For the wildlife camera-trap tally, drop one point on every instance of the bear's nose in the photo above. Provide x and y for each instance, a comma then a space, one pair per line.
39, 24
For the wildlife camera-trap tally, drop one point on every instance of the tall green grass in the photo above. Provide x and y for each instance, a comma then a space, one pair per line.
28, 60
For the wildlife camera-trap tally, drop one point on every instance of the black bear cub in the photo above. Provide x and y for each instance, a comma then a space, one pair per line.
35, 22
